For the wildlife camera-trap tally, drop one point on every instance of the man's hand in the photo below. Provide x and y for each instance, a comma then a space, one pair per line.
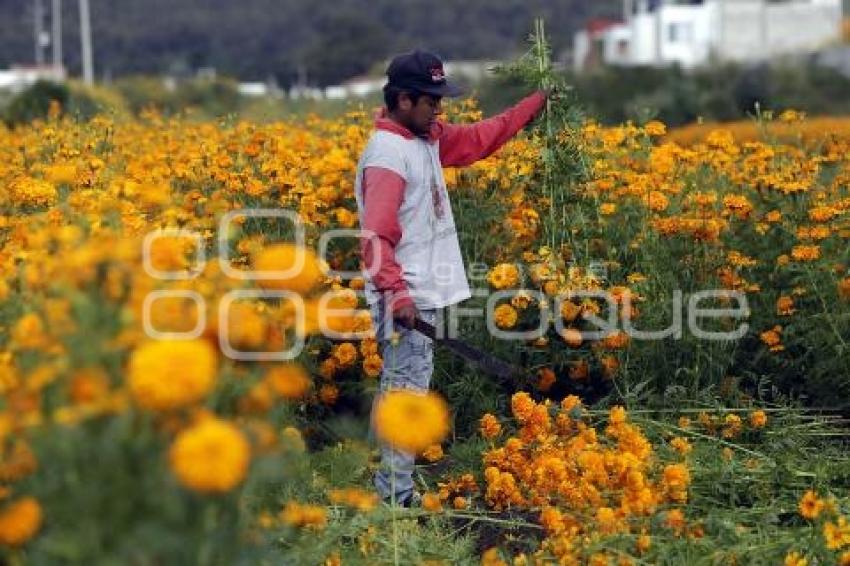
406, 315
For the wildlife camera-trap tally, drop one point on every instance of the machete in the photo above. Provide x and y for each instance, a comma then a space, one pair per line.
494, 366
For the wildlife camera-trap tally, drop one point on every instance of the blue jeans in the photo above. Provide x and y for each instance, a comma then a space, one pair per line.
408, 364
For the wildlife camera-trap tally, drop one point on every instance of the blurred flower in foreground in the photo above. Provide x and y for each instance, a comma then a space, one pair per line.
19, 521
411, 421
211, 456
169, 374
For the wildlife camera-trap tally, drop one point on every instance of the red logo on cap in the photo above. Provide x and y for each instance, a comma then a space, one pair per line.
437, 74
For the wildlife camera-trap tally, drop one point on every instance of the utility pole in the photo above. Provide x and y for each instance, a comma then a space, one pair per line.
85, 39
38, 31
56, 20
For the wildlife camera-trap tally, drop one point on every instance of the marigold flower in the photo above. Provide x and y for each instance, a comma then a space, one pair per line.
345, 354
805, 253
773, 339
431, 502
290, 381
169, 374
355, 498
20, 520
304, 515
489, 426
522, 406
681, 445
503, 276
505, 316
785, 306
211, 456
411, 421
810, 505
433, 453
302, 270
372, 365
758, 419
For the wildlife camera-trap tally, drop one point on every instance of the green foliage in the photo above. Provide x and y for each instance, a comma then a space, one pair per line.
73, 99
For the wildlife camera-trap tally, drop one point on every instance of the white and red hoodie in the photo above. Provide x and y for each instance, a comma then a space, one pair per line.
410, 247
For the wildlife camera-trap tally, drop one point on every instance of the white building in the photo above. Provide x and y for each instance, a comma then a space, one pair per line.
21, 77
692, 32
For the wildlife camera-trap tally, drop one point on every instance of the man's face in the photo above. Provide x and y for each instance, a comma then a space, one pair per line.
420, 116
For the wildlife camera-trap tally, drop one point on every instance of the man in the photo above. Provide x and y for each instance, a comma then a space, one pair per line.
410, 247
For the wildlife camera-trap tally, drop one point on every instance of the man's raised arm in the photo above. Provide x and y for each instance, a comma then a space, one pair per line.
462, 145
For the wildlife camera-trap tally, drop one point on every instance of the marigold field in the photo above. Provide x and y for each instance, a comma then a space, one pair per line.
120, 446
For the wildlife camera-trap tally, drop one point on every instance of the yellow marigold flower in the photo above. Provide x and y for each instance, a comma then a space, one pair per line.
522, 406
607, 208
805, 253
345, 354
552, 520
304, 515
211, 456
19, 521
431, 502
290, 381
837, 535
644, 542
169, 374
810, 505
657, 201
684, 422
489, 426
411, 421
773, 217
677, 475
758, 419
681, 445
503, 276
570, 311
617, 415
355, 498
491, 557
29, 332
844, 559
372, 365
306, 269
655, 128
505, 316
246, 328
433, 453
61, 173
32, 192
795, 559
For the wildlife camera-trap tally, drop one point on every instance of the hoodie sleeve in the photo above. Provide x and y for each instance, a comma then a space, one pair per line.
383, 193
462, 145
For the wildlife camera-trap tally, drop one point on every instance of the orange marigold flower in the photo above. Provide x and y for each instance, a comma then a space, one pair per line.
805, 253
758, 419
433, 453
785, 306
489, 426
675, 519
522, 406
431, 502
810, 505
19, 521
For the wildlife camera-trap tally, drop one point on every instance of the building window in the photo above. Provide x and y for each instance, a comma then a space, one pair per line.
680, 32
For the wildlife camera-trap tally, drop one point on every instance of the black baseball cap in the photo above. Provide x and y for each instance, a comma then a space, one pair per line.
421, 71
